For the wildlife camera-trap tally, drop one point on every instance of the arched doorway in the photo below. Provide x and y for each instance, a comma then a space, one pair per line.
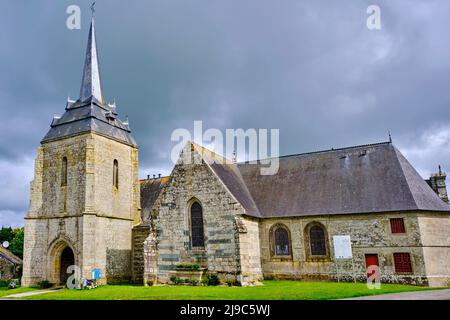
67, 259
60, 257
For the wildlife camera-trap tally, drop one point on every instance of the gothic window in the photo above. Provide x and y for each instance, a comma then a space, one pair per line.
281, 242
197, 232
317, 241
64, 172
116, 174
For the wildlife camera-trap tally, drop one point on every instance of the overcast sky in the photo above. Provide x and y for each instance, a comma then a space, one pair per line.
310, 68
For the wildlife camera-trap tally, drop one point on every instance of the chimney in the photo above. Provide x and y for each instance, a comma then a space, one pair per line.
437, 183
154, 176
148, 176
159, 176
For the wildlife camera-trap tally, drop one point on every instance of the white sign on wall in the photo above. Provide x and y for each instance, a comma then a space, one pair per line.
342, 247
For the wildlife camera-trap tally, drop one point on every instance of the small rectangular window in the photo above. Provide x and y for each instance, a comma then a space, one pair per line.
398, 225
402, 262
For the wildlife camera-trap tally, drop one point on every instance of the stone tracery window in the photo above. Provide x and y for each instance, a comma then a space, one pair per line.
197, 228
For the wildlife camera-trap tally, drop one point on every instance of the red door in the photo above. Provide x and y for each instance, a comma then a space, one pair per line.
371, 260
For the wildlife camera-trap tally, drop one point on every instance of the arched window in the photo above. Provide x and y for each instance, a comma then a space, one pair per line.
281, 242
116, 174
197, 232
317, 241
64, 172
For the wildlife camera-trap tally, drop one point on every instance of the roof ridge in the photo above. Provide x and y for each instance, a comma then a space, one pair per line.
320, 151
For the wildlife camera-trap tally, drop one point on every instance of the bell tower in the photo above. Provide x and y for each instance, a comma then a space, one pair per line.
85, 193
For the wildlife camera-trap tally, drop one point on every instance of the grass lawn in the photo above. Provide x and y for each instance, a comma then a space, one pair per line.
7, 292
271, 290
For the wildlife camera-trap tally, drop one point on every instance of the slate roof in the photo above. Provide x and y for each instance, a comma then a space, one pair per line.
150, 190
90, 113
89, 116
8, 255
364, 179
361, 179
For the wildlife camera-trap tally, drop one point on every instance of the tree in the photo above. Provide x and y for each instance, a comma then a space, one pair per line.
17, 242
6, 234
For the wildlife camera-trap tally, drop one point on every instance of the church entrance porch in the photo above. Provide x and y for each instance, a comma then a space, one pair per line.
67, 260
60, 259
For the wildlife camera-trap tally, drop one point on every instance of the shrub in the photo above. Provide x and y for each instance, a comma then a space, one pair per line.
211, 280
4, 283
150, 283
194, 282
45, 284
188, 266
176, 280
231, 282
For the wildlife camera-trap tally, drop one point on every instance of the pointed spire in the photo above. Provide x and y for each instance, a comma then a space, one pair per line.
91, 85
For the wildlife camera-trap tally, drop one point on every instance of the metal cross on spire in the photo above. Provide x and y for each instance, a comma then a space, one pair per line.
93, 8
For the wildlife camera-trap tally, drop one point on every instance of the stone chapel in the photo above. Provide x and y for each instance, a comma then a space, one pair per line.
89, 209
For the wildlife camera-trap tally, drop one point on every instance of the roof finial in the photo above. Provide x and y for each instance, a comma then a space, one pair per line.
234, 160
390, 137
440, 170
93, 8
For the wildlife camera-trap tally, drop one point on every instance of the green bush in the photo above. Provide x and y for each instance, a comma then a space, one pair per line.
231, 282
194, 282
188, 266
45, 284
4, 283
211, 280
176, 280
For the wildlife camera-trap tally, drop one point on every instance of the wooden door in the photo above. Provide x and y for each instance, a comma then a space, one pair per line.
371, 260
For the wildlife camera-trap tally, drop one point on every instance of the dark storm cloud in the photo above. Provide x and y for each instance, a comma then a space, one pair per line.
310, 68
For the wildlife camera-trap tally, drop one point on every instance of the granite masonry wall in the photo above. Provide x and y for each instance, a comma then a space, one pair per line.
88, 214
227, 252
370, 234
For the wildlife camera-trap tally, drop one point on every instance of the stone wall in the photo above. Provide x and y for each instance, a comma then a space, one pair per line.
88, 214
197, 182
370, 234
249, 249
7, 269
435, 237
139, 234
